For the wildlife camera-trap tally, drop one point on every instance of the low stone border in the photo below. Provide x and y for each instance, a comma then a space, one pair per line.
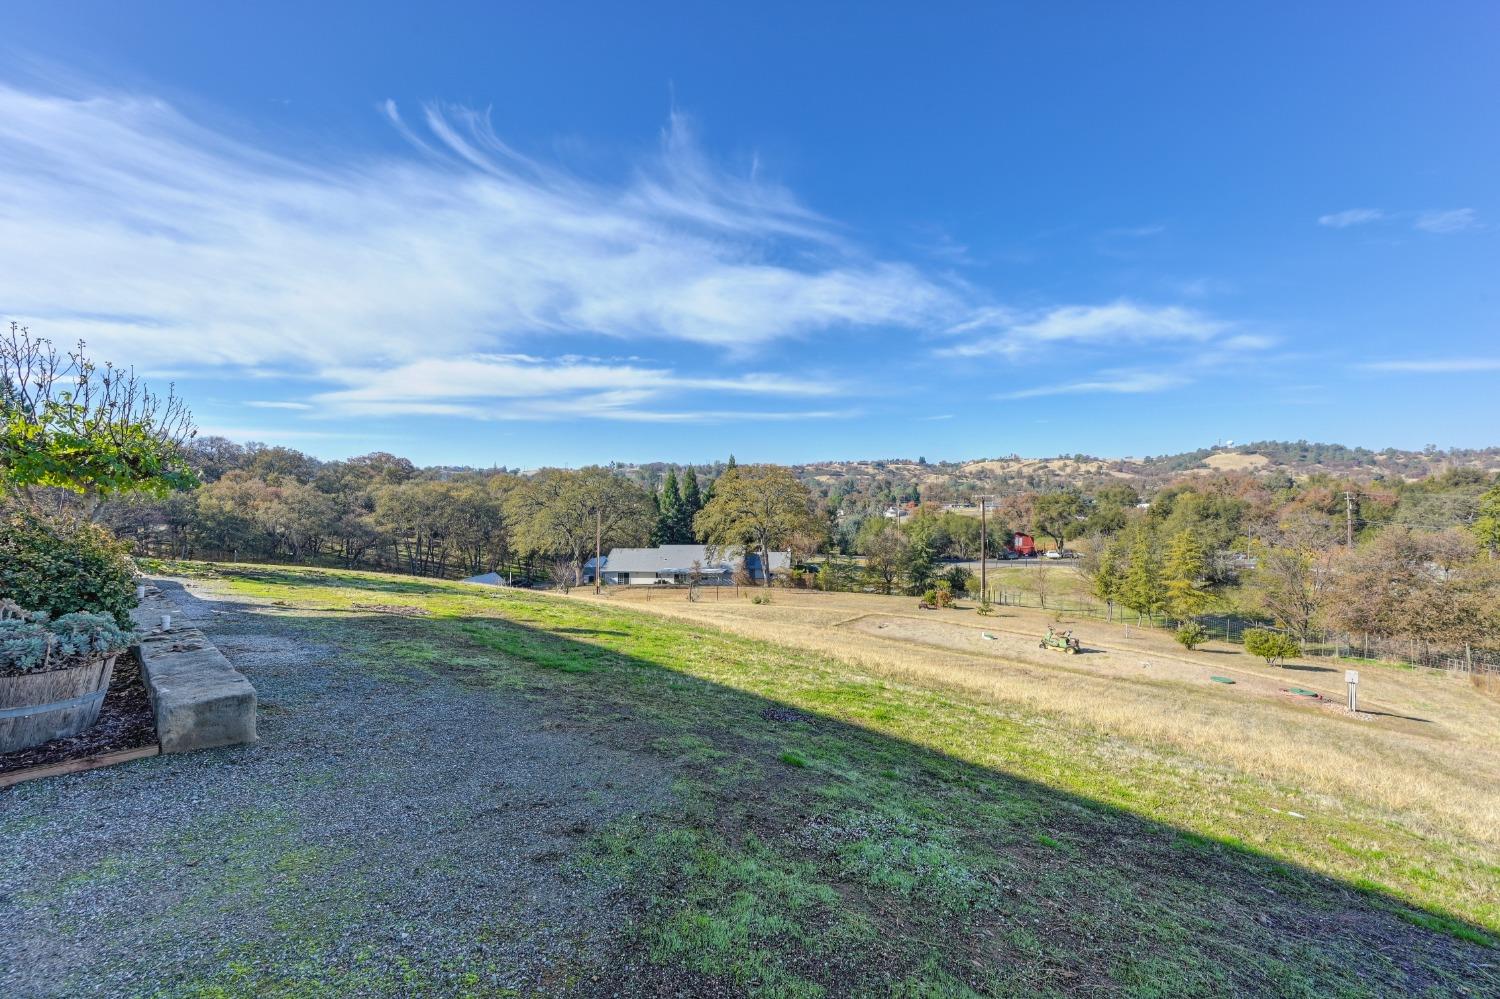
201, 701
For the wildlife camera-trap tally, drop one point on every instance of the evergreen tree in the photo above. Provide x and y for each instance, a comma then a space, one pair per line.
731, 466
670, 524
660, 527
1183, 582
1142, 591
692, 499
921, 566
1108, 576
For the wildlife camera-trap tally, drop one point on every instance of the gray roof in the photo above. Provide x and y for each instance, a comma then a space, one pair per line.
488, 579
680, 558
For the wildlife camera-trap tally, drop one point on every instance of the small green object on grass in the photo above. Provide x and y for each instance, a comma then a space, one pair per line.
1221, 679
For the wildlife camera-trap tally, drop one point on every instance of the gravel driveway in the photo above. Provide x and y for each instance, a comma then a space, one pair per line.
385, 837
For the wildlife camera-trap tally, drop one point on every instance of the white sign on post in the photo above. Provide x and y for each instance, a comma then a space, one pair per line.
1351, 677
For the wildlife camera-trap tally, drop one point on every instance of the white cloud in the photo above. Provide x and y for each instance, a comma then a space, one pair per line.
1450, 365
1122, 382
500, 387
1437, 221
162, 241
460, 277
1007, 332
1351, 216
1456, 220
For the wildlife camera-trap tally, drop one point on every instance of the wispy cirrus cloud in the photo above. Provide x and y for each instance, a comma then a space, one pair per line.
1441, 221
278, 404
1433, 365
458, 276
167, 242
521, 387
1114, 382
1455, 220
1008, 332
1351, 216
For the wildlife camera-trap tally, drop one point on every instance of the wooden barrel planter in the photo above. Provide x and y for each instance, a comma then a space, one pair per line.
40, 707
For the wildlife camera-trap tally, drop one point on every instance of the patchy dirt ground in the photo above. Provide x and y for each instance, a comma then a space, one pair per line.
1019, 650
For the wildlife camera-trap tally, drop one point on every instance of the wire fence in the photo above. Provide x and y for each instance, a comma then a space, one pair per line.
1227, 627
1231, 628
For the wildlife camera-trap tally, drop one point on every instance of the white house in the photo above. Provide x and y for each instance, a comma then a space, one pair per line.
677, 564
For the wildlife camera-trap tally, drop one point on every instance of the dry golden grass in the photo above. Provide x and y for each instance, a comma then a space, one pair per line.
1422, 755
1230, 461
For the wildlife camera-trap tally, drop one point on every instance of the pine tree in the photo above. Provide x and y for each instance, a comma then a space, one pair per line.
669, 521
1142, 591
1109, 576
1186, 596
692, 502
692, 498
660, 527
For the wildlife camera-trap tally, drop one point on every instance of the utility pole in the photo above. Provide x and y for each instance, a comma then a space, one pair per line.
1349, 518
984, 580
598, 534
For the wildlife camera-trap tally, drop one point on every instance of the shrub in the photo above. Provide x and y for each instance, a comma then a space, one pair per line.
985, 607
31, 643
761, 598
58, 567
1191, 635
1272, 646
959, 580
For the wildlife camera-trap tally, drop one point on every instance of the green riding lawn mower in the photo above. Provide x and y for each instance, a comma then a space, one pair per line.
1063, 642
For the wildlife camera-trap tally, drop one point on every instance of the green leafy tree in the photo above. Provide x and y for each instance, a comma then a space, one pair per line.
887, 555
556, 511
1487, 524
1187, 594
759, 508
960, 580
1291, 585
1274, 647
1191, 635
1058, 514
67, 423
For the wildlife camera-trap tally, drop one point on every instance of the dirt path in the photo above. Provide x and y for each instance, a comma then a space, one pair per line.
378, 825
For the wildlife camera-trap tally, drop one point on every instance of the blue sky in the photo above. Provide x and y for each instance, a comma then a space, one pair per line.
552, 235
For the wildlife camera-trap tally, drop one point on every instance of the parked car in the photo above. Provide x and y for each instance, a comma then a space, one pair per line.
1054, 553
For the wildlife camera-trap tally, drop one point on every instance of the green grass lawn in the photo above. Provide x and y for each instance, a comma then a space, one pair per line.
837, 833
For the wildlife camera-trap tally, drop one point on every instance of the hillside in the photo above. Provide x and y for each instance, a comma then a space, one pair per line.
953, 481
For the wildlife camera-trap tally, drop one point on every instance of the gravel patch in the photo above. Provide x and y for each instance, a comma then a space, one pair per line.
384, 837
